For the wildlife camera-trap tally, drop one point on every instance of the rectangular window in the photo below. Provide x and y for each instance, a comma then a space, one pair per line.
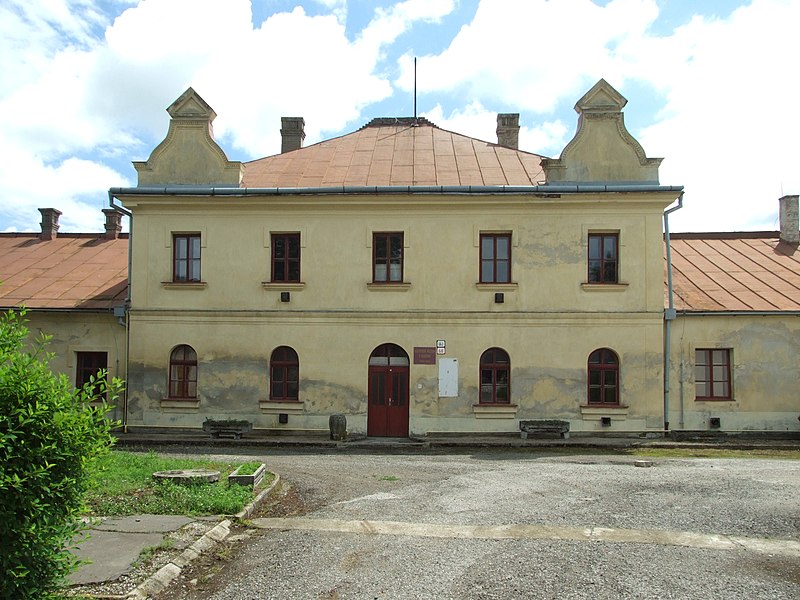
87, 365
186, 257
285, 257
712, 374
387, 257
603, 258
495, 258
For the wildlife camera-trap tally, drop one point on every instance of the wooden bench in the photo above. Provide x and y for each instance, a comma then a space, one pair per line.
544, 426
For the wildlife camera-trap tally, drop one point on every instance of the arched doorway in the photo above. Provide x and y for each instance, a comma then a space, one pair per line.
387, 413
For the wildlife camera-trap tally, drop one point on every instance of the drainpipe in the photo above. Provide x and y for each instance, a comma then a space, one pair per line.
680, 383
669, 314
123, 211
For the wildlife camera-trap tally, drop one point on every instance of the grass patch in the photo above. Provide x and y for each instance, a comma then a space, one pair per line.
788, 454
123, 485
248, 468
388, 478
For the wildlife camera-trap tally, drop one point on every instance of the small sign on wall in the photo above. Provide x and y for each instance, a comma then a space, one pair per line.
448, 377
424, 355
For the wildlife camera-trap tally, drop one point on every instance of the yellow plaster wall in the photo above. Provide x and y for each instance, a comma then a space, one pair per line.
74, 332
765, 372
549, 322
548, 359
441, 252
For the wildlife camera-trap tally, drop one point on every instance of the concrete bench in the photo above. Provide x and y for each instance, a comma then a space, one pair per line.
227, 428
544, 426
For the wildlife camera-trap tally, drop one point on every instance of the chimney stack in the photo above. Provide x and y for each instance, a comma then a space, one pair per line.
508, 130
292, 133
113, 223
50, 223
789, 220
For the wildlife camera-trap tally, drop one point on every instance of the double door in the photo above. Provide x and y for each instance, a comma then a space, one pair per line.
387, 413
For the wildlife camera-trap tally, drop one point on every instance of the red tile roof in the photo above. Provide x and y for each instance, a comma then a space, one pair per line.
74, 270
718, 272
389, 152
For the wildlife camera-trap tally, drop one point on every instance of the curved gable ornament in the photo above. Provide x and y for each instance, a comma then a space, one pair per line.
189, 155
602, 150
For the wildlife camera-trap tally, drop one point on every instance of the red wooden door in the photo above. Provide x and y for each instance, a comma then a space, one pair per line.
387, 413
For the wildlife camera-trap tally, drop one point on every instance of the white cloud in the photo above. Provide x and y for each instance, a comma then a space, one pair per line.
546, 138
729, 129
77, 187
89, 87
74, 83
728, 124
532, 53
388, 24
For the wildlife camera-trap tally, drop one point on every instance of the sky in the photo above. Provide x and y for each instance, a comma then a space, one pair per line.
712, 86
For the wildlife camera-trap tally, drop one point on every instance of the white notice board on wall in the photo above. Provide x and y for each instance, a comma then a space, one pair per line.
448, 377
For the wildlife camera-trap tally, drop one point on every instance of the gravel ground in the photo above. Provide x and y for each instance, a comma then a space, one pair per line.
752, 498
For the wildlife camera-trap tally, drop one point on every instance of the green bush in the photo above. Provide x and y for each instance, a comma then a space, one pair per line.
50, 433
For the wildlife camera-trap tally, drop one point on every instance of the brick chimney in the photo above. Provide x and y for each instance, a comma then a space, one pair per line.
292, 133
508, 130
789, 220
49, 223
113, 223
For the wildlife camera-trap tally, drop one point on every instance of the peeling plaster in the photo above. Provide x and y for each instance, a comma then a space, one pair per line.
547, 248
325, 397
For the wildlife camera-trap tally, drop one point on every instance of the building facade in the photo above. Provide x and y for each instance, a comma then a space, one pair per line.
422, 282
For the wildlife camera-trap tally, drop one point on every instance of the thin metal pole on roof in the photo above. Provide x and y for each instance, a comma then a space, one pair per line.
415, 88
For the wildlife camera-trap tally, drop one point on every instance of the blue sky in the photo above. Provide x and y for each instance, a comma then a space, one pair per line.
712, 86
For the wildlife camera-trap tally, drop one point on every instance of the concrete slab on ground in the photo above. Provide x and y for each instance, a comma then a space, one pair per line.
114, 544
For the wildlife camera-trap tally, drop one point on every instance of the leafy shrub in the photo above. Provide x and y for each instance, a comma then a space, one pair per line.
49, 435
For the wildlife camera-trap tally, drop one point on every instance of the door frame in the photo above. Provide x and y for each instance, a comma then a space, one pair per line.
389, 419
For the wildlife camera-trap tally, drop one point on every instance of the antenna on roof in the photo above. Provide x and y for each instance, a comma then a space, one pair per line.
415, 89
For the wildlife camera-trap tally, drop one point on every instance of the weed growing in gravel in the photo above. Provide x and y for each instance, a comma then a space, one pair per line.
388, 478
148, 552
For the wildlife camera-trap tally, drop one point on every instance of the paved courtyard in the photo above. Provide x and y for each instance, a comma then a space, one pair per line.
518, 524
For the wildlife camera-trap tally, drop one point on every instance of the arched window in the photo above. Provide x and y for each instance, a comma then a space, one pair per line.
183, 372
495, 377
603, 377
284, 378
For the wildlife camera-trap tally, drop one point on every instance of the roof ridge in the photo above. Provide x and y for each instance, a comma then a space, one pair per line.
401, 121
723, 235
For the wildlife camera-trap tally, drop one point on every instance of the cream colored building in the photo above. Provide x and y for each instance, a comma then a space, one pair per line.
419, 282
443, 284
70, 285
735, 339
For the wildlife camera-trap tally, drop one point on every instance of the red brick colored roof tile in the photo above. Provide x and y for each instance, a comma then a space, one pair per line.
719, 272
396, 152
72, 271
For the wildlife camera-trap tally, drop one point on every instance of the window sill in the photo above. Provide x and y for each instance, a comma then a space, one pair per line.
715, 399
496, 287
593, 412
274, 407
494, 411
604, 287
389, 286
182, 403
184, 285
284, 286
